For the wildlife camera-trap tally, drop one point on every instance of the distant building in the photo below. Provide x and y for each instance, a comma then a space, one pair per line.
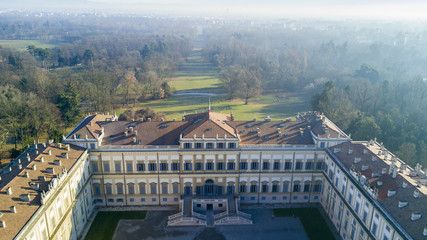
210, 161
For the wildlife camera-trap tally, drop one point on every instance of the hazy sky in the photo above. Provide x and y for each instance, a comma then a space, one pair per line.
390, 9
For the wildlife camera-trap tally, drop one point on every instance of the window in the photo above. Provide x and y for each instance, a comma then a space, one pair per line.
231, 145
307, 187
153, 189
308, 165
357, 207
265, 166
163, 166
243, 165
142, 199
274, 188
317, 187
131, 189
220, 166
175, 167
276, 166
165, 189
254, 165
298, 166
97, 191
288, 165
242, 188
175, 189
129, 167
319, 165
92, 146
188, 167
131, 199
153, 199
142, 188
152, 167
199, 145
140, 167
187, 145
199, 166
95, 167
374, 229
220, 145
209, 166
108, 189
365, 215
296, 188
106, 167
265, 188
209, 145
285, 187
253, 188
119, 189
230, 165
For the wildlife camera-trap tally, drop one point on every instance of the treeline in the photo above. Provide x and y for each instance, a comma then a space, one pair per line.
43, 91
369, 84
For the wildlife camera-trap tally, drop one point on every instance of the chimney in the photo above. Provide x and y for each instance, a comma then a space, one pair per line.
136, 133
25, 197
415, 216
66, 155
394, 174
28, 159
379, 183
27, 175
365, 151
42, 159
404, 184
20, 166
13, 209
49, 152
126, 133
50, 170
373, 159
391, 192
384, 171
365, 167
425, 231
35, 186
134, 140
68, 147
350, 151
357, 160
57, 162
416, 193
2, 223
59, 145
162, 119
19, 160
402, 204
337, 150
149, 119
9, 191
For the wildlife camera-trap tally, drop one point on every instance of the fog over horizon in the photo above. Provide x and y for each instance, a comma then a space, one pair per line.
329, 9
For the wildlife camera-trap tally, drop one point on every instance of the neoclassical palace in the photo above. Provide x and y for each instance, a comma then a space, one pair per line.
209, 161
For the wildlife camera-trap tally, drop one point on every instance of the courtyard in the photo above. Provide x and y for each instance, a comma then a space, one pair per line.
266, 226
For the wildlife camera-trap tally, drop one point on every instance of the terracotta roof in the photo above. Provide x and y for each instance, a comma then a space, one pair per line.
208, 124
89, 127
20, 184
364, 151
325, 128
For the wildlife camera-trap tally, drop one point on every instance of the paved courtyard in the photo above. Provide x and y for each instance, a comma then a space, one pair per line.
265, 226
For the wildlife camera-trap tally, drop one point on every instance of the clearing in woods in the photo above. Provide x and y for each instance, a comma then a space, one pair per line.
196, 80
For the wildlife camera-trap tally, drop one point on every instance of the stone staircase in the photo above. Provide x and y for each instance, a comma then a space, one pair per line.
188, 217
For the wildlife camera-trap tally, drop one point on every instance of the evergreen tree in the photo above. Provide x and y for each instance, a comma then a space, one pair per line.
69, 104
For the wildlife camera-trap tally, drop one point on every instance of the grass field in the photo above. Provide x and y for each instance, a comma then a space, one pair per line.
105, 223
313, 223
197, 76
23, 44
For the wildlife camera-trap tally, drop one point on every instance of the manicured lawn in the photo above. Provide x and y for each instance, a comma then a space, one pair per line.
105, 223
313, 223
23, 44
198, 76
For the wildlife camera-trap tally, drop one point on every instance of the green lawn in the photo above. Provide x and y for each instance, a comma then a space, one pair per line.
201, 77
23, 44
105, 223
313, 223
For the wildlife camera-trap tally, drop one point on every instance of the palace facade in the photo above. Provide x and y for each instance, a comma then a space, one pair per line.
213, 161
